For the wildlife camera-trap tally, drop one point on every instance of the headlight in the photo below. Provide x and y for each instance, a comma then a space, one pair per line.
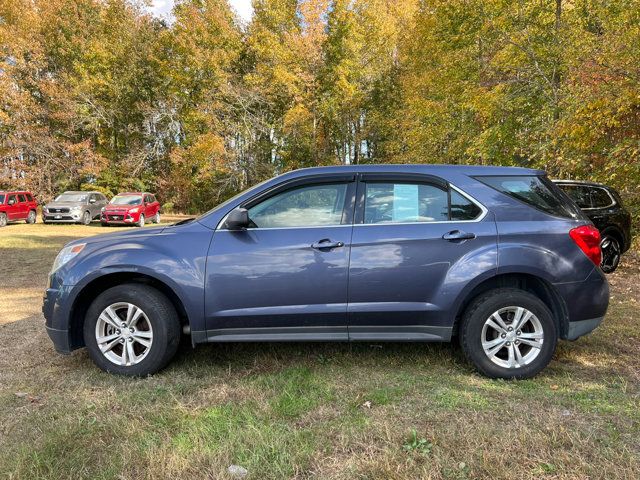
103, 209
76, 208
66, 254
134, 210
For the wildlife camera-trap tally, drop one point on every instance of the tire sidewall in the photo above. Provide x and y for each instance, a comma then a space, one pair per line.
86, 218
141, 220
481, 309
4, 219
160, 313
31, 217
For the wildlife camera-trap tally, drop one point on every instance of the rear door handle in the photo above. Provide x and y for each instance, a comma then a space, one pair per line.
326, 244
457, 235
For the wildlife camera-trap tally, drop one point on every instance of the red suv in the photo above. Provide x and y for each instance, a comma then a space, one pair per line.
131, 208
17, 206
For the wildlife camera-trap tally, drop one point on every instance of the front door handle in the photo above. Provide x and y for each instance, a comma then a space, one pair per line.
457, 235
326, 244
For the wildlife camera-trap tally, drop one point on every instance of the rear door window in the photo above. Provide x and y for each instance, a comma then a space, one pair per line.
600, 198
29, 197
22, 198
579, 194
536, 191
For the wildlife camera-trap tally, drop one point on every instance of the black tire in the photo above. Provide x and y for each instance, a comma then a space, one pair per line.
611, 253
483, 307
86, 218
31, 217
160, 313
3, 219
141, 221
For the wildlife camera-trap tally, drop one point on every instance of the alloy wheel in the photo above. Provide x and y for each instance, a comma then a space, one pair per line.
512, 337
610, 254
124, 334
3, 220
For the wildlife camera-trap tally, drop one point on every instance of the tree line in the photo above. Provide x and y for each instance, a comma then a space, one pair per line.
101, 94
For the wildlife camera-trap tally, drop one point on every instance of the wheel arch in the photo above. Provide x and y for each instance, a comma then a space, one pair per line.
89, 292
523, 281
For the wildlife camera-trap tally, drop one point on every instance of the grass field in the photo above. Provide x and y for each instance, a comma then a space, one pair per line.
302, 410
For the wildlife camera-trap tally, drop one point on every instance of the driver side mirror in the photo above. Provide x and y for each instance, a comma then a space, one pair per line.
238, 219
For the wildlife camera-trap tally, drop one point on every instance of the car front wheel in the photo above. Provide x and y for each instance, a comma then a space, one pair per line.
140, 222
508, 333
131, 329
3, 219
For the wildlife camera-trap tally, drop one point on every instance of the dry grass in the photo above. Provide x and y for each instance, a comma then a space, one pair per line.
296, 411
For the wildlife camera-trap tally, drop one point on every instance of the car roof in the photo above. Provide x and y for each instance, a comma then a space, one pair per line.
581, 182
79, 191
5, 192
133, 193
433, 169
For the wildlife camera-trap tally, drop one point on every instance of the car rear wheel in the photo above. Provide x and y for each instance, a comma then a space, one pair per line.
508, 333
140, 222
31, 218
3, 219
131, 330
611, 252
86, 218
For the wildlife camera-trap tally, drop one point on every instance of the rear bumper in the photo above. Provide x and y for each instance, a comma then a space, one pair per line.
582, 327
587, 303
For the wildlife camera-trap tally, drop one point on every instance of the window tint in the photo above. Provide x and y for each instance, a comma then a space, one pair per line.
307, 206
29, 197
600, 198
579, 194
405, 202
536, 191
462, 208
22, 198
12, 198
1, 199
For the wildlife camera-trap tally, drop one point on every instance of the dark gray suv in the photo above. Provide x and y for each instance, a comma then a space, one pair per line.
74, 207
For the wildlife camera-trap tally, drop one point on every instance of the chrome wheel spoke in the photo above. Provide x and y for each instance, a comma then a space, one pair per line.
492, 343
532, 343
142, 341
492, 351
110, 316
133, 359
106, 347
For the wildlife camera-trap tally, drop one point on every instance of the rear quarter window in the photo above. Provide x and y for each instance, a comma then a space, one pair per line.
536, 191
600, 198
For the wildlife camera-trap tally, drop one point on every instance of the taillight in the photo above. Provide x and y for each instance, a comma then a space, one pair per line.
587, 237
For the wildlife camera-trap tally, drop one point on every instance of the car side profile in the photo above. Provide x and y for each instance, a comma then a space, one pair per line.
497, 258
74, 207
603, 206
131, 208
16, 206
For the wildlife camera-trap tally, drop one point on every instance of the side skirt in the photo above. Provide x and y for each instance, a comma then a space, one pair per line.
405, 333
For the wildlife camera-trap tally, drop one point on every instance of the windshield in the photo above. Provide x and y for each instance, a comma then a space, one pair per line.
126, 200
1, 199
72, 197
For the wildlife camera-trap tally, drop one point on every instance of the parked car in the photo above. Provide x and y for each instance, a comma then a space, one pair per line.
17, 205
496, 257
74, 207
131, 208
603, 206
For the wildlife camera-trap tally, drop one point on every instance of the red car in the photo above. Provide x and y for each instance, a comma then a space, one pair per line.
16, 206
131, 208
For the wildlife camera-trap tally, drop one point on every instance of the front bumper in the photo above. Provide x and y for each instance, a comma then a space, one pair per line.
55, 308
61, 218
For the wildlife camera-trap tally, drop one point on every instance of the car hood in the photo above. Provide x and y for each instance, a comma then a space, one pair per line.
120, 208
64, 204
139, 234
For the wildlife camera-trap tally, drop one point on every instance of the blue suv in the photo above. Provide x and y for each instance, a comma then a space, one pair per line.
498, 258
